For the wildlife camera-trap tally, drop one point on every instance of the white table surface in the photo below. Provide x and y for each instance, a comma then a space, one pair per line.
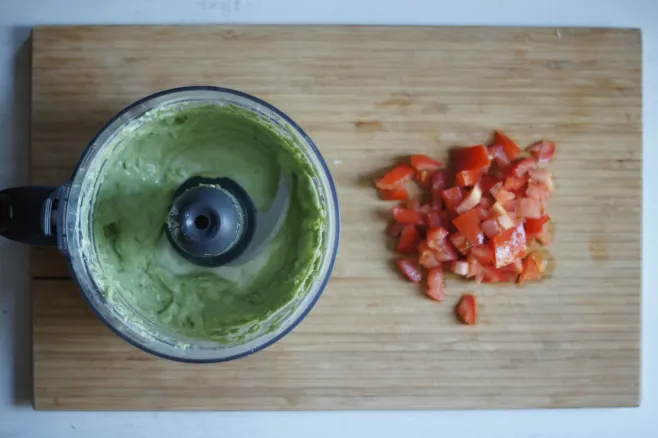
17, 419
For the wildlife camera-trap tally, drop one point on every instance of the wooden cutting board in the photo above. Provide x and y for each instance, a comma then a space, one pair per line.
368, 95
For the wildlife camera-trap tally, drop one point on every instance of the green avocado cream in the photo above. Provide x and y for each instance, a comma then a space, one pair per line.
136, 186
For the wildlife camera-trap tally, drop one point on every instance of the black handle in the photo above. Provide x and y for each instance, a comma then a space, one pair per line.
25, 214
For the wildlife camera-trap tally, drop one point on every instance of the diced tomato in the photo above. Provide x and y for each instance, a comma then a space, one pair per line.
545, 237
410, 269
483, 253
471, 201
509, 146
514, 183
528, 208
534, 227
436, 236
483, 213
435, 284
425, 209
491, 274
506, 222
452, 197
543, 150
487, 182
472, 157
522, 167
497, 153
460, 242
500, 194
395, 228
509, 245
399, 193
460, 268
401, 174
424, 178
498, 210
439, 180
543, 176
423, 162
433, 219
428, 258
466, 178
413, 203
444, 251
409, 239
466, 309
408, 216
468, 224
437, 200
530, 270
491, 228
542, 263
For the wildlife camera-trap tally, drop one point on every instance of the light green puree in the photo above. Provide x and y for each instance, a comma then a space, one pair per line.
135, 193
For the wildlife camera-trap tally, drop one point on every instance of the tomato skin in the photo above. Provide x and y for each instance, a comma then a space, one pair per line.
468, 224
400, 174
453, 196
491, 274
514, 183
424, 178
410, 269
425, 163
435, 284
487, 182
445, 252
460, 242
483, 253
528, 208
497, 153
466, 309
512, 151
435, 236
465, 178
543, 150
522, 167
408, 216
471, 158
399, 193
535, 227
409, 238
433, 219
509, 245
531, 270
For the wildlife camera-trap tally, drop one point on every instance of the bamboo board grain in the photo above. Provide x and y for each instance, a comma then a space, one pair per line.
368, 95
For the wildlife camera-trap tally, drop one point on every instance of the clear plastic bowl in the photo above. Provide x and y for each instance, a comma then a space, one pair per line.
76, 238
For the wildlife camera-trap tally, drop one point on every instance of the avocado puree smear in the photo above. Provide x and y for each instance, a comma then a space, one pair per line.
134, 196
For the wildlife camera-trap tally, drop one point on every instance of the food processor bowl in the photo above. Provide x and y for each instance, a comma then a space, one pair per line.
63, 216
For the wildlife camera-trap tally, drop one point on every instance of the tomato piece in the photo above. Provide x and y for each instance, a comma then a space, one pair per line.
509, 245
410, 269
399, 193
423, 162
400, 174
506, 221
408, 216
466, 178
424, 178
528, 208
543, 150
487, 182
433, 219
545, 237
497, 153
428, 259
530, 271
435, 236
468, 224
460, 242
491, 274
542, 176
471, 201
522, 167
409, 239
483, 213
466, 309
491, 228
498, 210
514, 183
483, 253
445, 252
395, 229
535, 227
453, 196
500, 194
511, 149
472, 157
435, 284
460, 268
439, 180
